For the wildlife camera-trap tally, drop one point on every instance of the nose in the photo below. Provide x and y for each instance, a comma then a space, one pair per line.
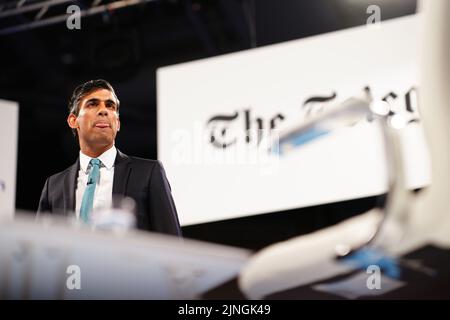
102, 110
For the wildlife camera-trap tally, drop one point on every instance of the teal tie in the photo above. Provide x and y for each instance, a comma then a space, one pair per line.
88, 196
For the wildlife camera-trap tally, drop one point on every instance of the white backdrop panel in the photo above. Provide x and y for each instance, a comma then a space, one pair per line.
269, 86
9, 122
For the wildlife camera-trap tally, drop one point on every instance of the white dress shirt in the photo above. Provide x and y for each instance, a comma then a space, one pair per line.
103, 190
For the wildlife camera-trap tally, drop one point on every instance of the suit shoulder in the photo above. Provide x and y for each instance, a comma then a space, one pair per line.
145, 162
147, 165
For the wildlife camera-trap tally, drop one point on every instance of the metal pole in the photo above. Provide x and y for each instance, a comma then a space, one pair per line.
60, 18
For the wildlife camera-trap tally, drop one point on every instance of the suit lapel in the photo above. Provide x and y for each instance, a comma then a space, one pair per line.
122, 168
70, 181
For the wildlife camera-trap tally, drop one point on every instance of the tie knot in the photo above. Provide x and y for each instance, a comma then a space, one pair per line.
95, 162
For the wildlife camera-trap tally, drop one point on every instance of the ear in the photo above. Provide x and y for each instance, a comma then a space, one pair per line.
118, 124
72, 121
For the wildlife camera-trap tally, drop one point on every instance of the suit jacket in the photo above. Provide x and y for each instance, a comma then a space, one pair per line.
141, 179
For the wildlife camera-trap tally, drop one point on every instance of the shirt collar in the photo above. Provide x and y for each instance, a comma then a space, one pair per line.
107, 158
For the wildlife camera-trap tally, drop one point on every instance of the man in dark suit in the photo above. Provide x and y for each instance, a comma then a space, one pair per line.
102, 171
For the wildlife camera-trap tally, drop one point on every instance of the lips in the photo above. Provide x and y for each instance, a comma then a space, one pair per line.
101, 125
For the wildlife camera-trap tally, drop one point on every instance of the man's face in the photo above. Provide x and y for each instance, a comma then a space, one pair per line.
97, 122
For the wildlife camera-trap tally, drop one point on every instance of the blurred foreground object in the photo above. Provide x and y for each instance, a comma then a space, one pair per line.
120, 217
416, 226
53, 259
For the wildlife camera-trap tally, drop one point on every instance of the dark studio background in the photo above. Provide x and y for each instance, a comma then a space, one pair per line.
39, 68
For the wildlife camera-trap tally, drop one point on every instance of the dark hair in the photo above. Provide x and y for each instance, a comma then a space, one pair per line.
83, 90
